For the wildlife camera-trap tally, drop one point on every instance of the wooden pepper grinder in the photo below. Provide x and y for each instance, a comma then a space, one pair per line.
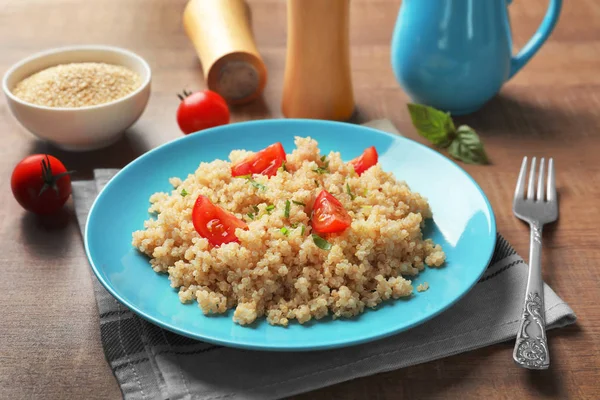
221, 33
317, 82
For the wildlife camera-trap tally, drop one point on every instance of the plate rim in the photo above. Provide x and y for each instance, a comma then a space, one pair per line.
287, 347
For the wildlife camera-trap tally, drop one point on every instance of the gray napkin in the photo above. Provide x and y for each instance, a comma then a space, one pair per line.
153, 363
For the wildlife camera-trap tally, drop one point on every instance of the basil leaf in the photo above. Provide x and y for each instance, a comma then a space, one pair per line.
321, 243
434, 125
184, 192
286, 213
467, 147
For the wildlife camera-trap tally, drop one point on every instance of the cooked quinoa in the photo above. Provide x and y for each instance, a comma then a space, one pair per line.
423, 287
77, 85
281, 273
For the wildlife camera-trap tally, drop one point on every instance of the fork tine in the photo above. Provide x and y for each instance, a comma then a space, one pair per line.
531, 187
551, 189
520, 189
540, 185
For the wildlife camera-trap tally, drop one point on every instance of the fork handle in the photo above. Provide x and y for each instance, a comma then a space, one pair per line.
531, 347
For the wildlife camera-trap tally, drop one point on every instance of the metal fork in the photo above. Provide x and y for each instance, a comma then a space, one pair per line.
539, 207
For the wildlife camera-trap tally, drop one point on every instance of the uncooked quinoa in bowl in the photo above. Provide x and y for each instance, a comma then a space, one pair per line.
75, 85
289, 236
78, 98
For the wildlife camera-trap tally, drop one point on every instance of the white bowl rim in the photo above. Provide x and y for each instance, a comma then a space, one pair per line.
65, 49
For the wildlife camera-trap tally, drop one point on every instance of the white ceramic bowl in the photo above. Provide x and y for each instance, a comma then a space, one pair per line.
85, 128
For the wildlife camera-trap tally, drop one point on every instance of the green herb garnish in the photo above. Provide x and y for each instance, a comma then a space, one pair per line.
323, 169
295, 225
321, 243
352, 196
253, 215
270, 208
253, 182
256, 184
286, 212
299, 203
285, 231
184, 192
302, 231
437, 127
283, 167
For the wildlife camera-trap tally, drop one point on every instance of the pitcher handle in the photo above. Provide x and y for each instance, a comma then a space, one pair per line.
517, 62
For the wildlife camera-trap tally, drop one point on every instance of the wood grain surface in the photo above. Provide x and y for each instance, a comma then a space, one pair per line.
49, 334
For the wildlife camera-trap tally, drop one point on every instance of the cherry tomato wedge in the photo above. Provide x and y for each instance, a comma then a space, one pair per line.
266, 162
329, 215
215, 224
365, 161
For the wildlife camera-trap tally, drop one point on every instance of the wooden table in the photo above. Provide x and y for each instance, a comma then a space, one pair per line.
49, 333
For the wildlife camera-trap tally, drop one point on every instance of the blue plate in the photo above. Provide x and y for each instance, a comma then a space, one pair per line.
463, 223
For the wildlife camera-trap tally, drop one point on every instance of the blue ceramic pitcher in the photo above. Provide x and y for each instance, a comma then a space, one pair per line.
455, 55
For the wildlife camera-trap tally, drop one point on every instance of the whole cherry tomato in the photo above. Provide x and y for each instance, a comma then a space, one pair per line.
41, 184
201, 110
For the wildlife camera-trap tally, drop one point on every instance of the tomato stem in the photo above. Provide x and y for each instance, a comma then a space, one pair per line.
50, 179
185, 94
